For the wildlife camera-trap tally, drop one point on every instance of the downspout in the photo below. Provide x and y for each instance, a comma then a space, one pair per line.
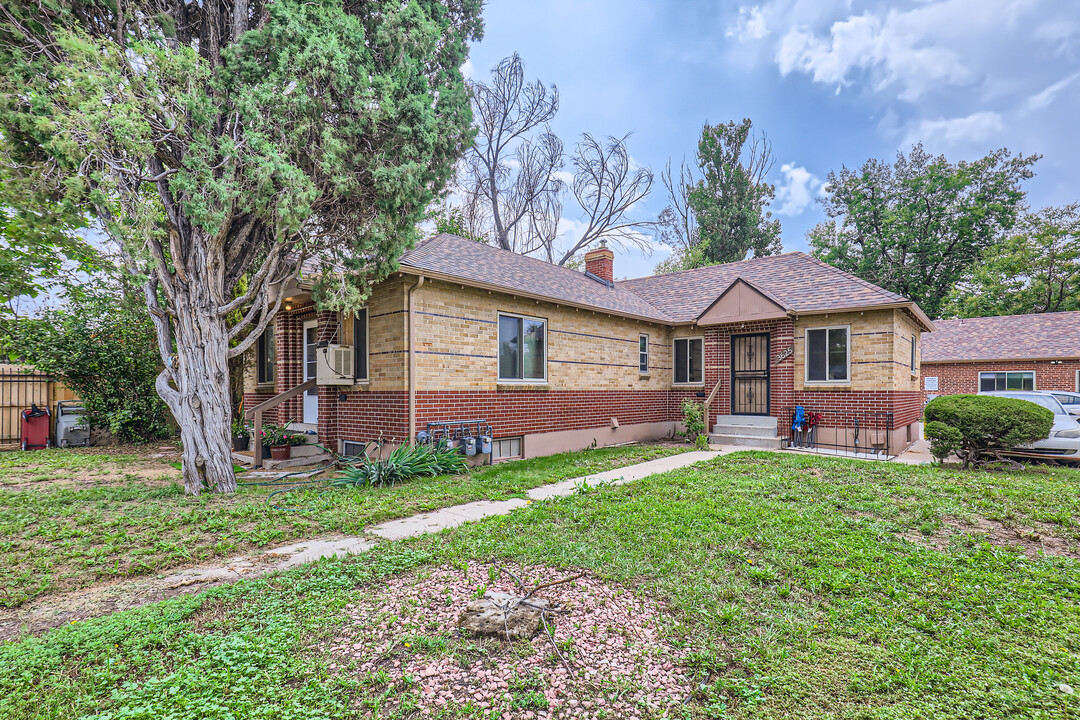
411, 431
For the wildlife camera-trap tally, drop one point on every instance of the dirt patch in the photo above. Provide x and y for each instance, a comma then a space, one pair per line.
1033, 542
404, 643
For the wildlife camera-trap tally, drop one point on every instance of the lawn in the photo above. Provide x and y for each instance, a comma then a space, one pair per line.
790, 586
70, 518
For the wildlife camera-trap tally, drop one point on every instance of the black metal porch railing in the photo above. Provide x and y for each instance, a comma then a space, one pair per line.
848, 434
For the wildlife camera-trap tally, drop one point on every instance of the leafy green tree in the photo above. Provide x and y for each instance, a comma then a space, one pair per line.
100, 342
452, 220
1036, 269
216, 141
915, 227
728, 203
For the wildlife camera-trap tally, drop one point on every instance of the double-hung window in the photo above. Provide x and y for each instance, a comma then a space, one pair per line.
992, 381
828, 355
913, 354
643, 354
266, 359
689, 361
360, 345
522, 348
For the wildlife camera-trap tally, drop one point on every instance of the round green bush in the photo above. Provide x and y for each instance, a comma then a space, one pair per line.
978, 427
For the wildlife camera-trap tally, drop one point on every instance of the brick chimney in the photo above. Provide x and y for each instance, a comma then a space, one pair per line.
601, 263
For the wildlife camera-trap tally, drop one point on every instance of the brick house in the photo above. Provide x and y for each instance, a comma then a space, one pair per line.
556, 359
1023, 352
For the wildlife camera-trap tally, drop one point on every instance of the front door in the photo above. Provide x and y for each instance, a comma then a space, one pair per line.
750, 374
311, 359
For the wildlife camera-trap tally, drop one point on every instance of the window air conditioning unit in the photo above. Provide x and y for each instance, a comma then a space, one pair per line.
335, 365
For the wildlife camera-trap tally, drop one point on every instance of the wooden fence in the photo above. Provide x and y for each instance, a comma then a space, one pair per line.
18, 390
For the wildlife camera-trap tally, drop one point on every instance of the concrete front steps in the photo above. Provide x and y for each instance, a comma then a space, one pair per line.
751, 431
301, 455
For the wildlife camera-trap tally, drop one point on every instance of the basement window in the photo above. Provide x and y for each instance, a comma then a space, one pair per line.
266, 360
522, 348
506, 448
994, 381
689, 361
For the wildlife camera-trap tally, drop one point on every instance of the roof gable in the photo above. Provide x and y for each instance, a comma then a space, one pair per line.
742, 302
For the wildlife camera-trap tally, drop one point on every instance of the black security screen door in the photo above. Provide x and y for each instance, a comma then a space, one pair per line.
750, 374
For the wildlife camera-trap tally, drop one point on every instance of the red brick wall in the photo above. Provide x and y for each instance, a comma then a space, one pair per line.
958, 378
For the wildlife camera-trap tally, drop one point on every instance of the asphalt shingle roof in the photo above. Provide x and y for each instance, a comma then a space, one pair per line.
1006, 337
796, 281
476, 262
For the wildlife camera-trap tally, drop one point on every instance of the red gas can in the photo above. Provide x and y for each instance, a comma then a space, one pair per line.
35, 428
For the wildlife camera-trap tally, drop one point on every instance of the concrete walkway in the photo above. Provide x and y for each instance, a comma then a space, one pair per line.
52, 611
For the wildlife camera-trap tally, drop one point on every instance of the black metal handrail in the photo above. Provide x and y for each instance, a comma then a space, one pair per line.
839, 432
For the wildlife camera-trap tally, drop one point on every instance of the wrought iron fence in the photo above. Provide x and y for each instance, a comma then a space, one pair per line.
18, 391
848, 434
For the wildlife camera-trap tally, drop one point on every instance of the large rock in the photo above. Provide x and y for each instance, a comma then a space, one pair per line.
502, 614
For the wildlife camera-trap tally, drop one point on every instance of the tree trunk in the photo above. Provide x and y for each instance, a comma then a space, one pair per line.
196, 388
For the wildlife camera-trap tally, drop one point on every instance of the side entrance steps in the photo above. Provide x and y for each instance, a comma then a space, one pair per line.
752, 431
300, 455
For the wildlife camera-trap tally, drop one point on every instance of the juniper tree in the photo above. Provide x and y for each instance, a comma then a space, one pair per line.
222, 145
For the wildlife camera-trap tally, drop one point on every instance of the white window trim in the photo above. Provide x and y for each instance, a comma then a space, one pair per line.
806, 356
521, 381
648, 355
1034, 379
367, 345
688, 338
914, 357
1078, 381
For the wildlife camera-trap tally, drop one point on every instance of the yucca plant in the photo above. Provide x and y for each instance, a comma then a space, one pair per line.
403, 463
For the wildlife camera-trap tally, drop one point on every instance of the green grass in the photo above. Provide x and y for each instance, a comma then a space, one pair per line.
57, 536
789, 584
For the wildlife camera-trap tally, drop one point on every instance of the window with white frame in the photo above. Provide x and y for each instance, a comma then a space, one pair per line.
643, 354
266, 356
912, 354
1078, 381
993, 381
828, 354
689, 361
522, 348
360, 345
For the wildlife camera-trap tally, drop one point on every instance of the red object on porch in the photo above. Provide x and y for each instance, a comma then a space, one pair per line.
35, 428
280, 452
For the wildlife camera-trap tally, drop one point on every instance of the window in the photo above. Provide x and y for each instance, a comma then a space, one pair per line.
504, 448
912, 354
1078, 381
689, 360
360, 345
266, 360
828, 355
643, 354
993, 381
522, 348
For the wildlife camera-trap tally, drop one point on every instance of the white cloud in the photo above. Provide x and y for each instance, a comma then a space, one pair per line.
468, 69
1042, 99
750, 25
798, 190
950, 132
895, 50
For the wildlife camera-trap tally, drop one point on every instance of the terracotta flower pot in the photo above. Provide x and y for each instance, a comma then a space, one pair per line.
280, 452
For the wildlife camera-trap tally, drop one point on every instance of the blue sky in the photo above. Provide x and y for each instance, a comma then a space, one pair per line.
832, 83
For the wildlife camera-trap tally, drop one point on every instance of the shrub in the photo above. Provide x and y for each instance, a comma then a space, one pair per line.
694, 422
978, 427
101, 344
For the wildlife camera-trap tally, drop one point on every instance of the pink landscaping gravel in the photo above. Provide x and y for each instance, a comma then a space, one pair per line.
622, 667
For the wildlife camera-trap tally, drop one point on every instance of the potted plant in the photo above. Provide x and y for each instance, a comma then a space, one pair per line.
240, 438
281, 440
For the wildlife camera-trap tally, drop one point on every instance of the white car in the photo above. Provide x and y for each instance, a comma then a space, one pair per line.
1063, 444
1070, 400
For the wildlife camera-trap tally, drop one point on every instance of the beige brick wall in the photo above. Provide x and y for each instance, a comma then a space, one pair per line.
457, 331
879, 348
906, 328
387, 329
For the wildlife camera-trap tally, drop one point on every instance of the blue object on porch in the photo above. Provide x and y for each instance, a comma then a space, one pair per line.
797, 419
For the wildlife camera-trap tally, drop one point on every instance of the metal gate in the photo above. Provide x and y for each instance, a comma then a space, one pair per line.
18, 390
750, 374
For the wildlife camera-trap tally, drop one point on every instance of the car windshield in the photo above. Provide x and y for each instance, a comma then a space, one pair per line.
1047, 401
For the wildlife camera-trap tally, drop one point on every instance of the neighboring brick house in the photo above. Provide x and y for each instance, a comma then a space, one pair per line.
1022, 352
556, 359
